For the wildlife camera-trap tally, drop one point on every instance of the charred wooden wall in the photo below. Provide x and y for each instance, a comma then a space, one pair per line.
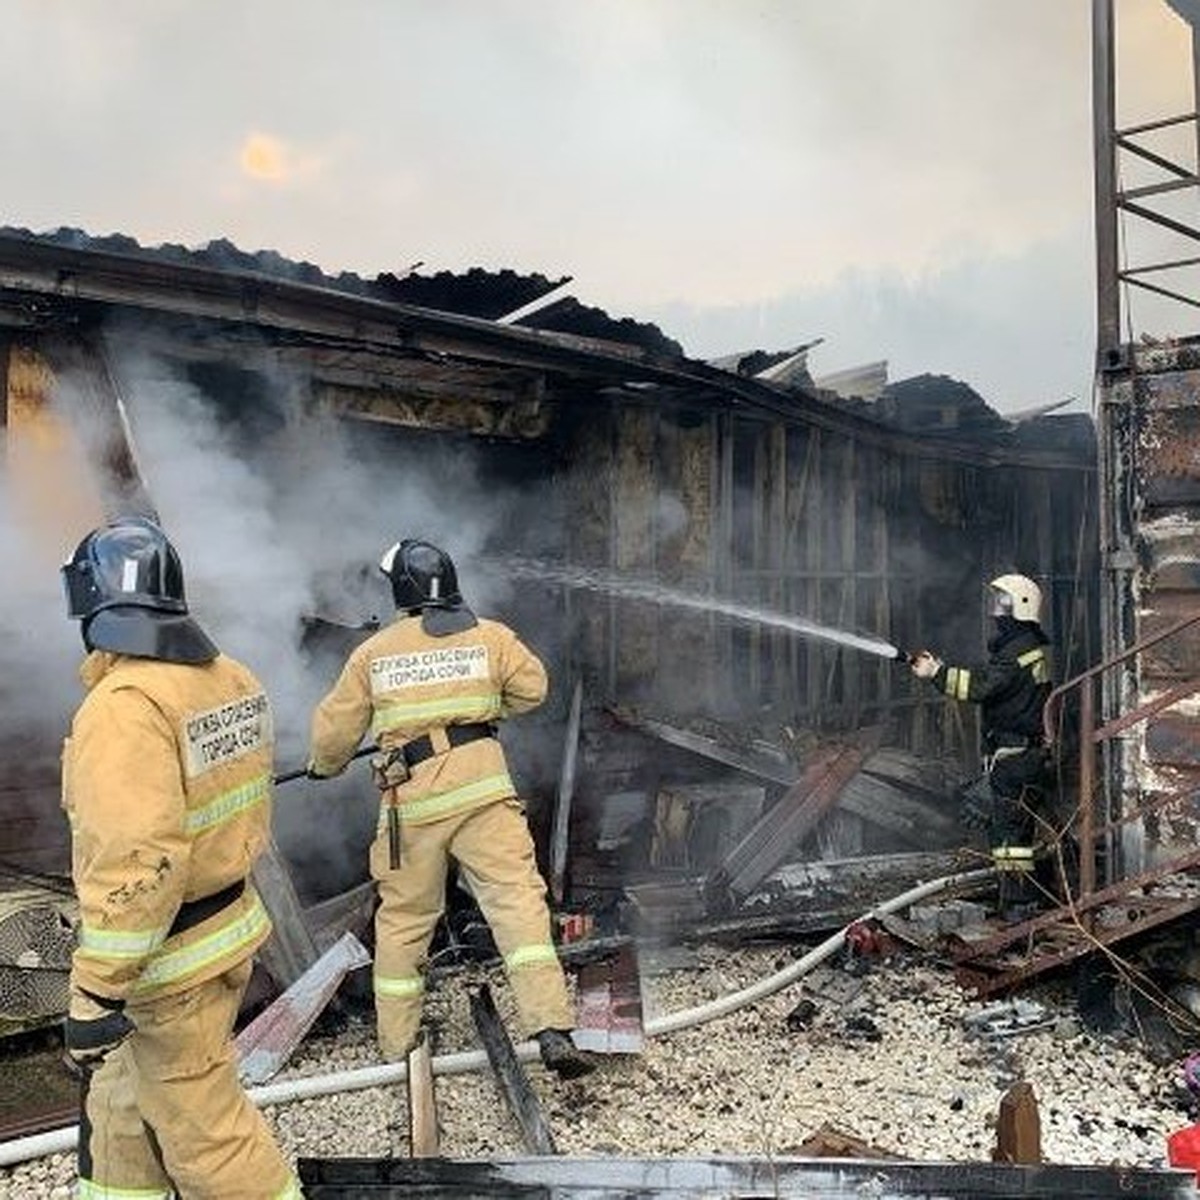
652, 468
856, 528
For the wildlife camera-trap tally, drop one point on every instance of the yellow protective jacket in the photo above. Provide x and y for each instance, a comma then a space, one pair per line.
402, 683
167, 786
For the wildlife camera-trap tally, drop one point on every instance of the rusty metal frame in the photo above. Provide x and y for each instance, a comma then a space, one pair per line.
983, 984
971, 959
1079, 912
1090, 735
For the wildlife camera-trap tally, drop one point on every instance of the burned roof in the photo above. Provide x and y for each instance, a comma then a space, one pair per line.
937, 404
59, 279
483, 294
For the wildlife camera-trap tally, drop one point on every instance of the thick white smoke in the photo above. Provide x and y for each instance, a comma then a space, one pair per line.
279, 522
39, 651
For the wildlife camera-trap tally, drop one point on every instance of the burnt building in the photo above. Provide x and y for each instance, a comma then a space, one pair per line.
683, 543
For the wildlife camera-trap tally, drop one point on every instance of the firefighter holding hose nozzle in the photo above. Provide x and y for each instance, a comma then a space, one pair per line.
1011, 688
431, 686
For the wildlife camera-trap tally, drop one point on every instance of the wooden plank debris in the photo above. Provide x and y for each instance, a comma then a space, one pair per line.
94, 394
830, 1142
514, 1083
798, 898
773, 767
348, 911
1018, 1126
291, 949
894, 790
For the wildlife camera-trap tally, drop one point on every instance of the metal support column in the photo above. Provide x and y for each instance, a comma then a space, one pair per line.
1104, 118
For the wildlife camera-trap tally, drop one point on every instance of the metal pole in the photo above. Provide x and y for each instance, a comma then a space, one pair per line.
1104, 119
1087, 787
560, 837
1196, 89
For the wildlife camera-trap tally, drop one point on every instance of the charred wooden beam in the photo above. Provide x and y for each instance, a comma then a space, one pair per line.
291, 948
348, 911
763, 765
85, 380
483, 414
798, 899
514, 1083
815, 1178
791, 819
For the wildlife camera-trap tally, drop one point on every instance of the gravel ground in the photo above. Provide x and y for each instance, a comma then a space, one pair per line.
888, 1056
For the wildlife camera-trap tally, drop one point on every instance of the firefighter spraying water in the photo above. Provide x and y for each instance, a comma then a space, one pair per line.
434, 684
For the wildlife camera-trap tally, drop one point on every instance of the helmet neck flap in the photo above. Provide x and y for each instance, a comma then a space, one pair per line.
424, 581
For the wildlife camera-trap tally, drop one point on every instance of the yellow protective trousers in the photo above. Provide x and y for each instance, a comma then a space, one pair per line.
495, 854
164, 1114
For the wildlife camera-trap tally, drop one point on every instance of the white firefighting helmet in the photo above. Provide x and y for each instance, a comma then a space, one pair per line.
1017, 596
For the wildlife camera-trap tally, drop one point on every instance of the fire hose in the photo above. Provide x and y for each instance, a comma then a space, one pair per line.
393, 814
60, 1141
302, 772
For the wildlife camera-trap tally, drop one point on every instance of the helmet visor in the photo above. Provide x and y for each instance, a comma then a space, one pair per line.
1002, 603
79, 588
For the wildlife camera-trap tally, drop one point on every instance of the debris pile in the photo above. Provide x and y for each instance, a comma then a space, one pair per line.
891, 1055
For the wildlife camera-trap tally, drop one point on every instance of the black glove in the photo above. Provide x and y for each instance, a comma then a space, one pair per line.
95, 1027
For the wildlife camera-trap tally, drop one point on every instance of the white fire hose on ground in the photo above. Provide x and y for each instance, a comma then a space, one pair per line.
59, 1141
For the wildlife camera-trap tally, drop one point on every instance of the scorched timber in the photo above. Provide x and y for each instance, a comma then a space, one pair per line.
811, 1179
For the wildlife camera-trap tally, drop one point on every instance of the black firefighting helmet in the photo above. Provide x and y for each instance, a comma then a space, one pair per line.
125, 584
424, 581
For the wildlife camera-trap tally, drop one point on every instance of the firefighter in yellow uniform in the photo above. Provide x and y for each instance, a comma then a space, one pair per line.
167, 786
430, 687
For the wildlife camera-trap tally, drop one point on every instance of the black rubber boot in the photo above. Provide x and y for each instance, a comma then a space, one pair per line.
561, 1055
1018, 897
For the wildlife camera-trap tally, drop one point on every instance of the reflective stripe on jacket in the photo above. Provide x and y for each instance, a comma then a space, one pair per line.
1011, 687
167, 786
403, 683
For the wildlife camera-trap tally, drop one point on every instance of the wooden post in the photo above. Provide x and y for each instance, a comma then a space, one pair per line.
422, 1102
1018, 1127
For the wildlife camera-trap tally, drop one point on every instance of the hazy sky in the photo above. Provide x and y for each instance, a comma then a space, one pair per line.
909, 179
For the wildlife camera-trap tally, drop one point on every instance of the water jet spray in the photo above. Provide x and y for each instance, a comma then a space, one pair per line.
609, 583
